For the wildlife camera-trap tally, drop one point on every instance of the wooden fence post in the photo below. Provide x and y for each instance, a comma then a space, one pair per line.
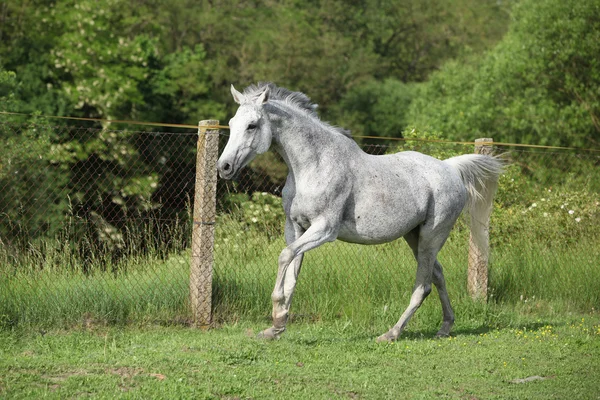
477, 278
203, 230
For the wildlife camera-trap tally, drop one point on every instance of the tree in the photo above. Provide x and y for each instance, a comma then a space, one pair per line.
414, 38
539, 85
173, 61
25, 176
377, 108
94, 72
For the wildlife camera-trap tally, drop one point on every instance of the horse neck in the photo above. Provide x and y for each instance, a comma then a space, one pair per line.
302, 143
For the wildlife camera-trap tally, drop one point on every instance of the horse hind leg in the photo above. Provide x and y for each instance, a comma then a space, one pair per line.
440, 284
429, 271
448, 313
422, 288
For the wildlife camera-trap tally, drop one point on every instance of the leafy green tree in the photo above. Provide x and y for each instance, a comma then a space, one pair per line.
377, 108
30, 189
28, 33
98, 73
287, 43
539, 85
173, 61
414, 38
101, 61
179, 89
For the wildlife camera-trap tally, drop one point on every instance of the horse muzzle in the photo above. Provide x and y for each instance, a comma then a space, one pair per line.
226, 169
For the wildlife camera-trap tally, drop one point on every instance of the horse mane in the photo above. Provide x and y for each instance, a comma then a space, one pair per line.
297, 99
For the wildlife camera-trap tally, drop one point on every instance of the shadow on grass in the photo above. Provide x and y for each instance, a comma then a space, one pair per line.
330, 336
482, 329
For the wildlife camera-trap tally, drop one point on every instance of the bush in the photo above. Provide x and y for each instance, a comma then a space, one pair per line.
539, 85
377, 108
250, 219
548, 206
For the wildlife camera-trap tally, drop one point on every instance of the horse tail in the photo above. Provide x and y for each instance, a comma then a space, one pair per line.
479, 174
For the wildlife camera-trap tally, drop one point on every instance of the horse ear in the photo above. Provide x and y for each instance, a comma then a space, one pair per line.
237, 96
263, 98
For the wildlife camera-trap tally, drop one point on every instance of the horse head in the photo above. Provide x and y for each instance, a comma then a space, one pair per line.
250, 133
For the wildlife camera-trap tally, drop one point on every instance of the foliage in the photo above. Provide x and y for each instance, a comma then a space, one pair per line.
377, 108
413, 38
172, 61
538, 85
552, 215
250, 216
97, 175
22, 149
24, 170
180, 88
31, 196
7, 86
103, 69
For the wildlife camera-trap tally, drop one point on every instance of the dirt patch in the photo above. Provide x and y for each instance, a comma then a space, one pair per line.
62, 377
90, 323
160, 377
346, 393
127, 375
126, 372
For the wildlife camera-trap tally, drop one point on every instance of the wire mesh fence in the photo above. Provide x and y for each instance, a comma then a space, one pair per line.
94, 222
99, 224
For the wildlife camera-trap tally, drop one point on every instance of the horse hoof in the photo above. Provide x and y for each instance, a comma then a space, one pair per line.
443, 333
268, 334
386, 338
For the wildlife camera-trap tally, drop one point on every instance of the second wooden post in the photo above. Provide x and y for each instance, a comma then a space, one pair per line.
477, 275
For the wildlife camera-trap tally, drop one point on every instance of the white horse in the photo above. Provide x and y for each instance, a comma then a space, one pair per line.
334, 190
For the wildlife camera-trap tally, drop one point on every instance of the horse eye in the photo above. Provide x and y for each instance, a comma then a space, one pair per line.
251, 127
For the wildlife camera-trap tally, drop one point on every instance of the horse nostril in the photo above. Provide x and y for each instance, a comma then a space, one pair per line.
226, 167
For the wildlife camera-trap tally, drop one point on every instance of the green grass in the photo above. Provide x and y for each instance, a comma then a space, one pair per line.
369, 285
372, 284
312, 361
145, 289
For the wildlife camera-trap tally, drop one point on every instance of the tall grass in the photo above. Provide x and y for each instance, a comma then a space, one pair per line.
50, 284
69, 280
156, 291
371, 285
567, 274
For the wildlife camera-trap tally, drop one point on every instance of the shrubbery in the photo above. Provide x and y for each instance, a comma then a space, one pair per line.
539, 85
556, 216
249, 221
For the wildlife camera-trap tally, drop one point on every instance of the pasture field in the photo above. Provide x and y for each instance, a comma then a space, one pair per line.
103, 327
536, 358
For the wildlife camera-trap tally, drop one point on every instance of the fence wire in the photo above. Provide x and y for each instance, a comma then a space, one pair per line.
97, 223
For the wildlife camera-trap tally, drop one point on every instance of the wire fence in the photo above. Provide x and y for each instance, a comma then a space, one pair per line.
99, 224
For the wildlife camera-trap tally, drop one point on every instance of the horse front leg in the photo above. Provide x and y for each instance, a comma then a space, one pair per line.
290, 261
282, 299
